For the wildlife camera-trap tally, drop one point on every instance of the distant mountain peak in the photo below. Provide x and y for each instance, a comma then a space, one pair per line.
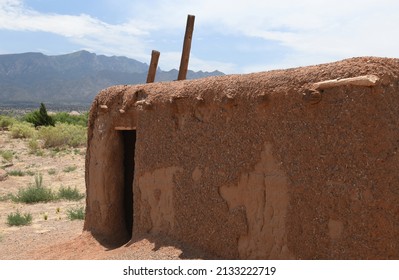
71, 78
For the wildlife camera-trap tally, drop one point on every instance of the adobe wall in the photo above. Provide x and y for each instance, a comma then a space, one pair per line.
250, 167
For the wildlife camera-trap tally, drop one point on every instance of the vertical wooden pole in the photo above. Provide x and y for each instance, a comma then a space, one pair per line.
185, 56
152, 70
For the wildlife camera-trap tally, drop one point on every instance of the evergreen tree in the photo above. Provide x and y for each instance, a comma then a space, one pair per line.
40, 117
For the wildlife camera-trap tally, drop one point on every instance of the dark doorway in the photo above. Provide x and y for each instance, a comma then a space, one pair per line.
129, 144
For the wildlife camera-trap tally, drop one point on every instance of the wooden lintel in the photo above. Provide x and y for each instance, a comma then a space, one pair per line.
362, 81
125, 128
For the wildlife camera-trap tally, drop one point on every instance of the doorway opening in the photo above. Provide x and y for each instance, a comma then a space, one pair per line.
129, 145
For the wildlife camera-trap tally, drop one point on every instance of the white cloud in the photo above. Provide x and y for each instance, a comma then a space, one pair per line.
83, 29
311, 31
170, 60
315, 31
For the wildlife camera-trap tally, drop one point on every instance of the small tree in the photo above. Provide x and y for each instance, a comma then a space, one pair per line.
40, 117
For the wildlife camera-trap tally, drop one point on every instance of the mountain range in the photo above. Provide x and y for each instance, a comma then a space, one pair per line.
71, 79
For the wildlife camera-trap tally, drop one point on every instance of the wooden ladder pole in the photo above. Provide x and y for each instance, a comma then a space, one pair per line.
152, 70
185, 56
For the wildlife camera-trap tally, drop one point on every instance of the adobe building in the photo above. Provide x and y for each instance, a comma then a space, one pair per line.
293, 164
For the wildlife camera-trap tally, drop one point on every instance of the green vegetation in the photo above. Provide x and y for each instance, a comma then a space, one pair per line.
33, 146
64, 117
63, 135
16, 173
17, 219
7, 155
22, 130
60, 131
69, 169
35, 193
6, 122
51, 171
40, 117
70, 194
76, 213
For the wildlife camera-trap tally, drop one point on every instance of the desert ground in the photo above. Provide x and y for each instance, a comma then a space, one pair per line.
51, 234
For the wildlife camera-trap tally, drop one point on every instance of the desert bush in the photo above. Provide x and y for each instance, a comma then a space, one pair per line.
33, 146
22, 130
76, 213
7, 155
6, 122
51, 171
69, 169
19, 173
35, 193
40, 117
63, 135
17, 219
64, 117
70, 194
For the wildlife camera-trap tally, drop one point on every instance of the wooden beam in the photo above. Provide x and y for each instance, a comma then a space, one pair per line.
153, 66
185, 56
125, 128
362, 81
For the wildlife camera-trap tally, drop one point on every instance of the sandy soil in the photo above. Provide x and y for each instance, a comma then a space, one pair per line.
17, 241
57, 237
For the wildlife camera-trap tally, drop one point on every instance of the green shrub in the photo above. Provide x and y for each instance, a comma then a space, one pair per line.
63, 135
76, 213
17, 219
6, 122
51, 171
16, 173
64, 117
22, 130
7, 155
70, 194
40, 117
69, 169
35, 192
34, 147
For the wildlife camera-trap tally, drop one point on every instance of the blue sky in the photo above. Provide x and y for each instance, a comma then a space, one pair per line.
230, 36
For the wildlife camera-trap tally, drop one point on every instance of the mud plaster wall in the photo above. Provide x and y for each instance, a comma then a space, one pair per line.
243, 167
